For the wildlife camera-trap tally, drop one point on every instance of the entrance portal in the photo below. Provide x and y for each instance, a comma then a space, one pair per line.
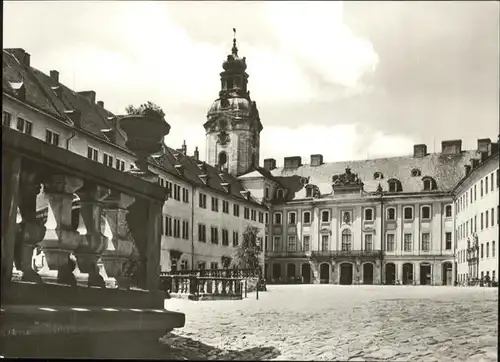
447, 273
346, 273
368, 273
306, 273
324, 273
425, 274
276, 271
390, 274
407, 273
290, 272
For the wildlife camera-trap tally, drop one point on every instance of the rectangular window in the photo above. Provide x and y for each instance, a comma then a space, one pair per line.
306, 217
492, 216
214, 235
51, 137
482, 250
266, 218
24, 126
487, 250
236, 210
325, 216
306, 241
492, 181
277, 243
426, 212
407, 242
486, 185
225, 237
482, 222
225, 207
177, 228
426, 242
391, 213
185, 230
408, 213
235, 238
447, 211
201, 265
265, 243
214, 265
475, 223
292, 244
107, 159
185, 195
390, 242
448, 241
475, 192
277, 218
368, 242
481, 194
486, 219
471, 226
168, 186
184, 265
92, 154
215, 204
368, 214
202, 233
177, 192
168, 226
261, 217
254, 215
120, 165
493, 249
203, 201
324, 242
292, 218
466, 228
246, 213
6, 119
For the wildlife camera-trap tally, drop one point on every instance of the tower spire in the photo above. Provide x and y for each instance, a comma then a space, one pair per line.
234, 50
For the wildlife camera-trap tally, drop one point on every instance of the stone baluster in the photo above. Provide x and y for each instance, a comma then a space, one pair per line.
30, 231
121, 247
60, 240
231, 290
93, 243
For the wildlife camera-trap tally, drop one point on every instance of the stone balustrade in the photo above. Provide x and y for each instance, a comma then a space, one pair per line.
203, 288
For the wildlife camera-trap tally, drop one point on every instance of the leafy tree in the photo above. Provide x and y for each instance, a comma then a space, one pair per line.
146, 109
248, 252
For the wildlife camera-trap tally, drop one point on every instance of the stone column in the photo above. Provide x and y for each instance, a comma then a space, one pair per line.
417, 273
60, 238
357, 278
121, 247
399, 272
30, 231
334, 272
377, 272
93, 243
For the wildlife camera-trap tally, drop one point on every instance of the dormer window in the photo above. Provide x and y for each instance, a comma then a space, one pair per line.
395, 185
266, 192
429, 183
280, 193
415, 172
309, 192
378, 176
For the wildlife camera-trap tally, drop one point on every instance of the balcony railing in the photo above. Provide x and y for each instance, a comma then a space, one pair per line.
345, 253
289, 254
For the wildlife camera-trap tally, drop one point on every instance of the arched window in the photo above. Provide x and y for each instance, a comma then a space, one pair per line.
426, 212
429, 183
369, 214
222, 158
395, 185
346, 240
408, 213
415, 172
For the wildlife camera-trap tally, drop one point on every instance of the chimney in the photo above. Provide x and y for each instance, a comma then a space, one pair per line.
22, 57
451, 147
467, 169
482, 144
100, 104
196, 154
184, 148
74, 115
269, 164
293, 162
492, 148
419, 151
484, 156
474, 162
54, 75
90, 95
316, 160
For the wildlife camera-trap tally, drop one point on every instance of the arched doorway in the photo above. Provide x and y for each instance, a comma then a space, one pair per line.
276, 272
324, 273
390, 274
290, 272
306, 273
446, 273
407, 273
425, 274
345, 274
368, 273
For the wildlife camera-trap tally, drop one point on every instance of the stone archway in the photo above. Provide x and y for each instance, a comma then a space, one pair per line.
390, 274
306, 273
346, 273
276, 271
368, 273
290, 272
446, 273
324, 273
407, 273
425, 274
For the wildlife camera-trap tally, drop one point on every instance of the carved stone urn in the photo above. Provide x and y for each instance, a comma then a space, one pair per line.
144, 136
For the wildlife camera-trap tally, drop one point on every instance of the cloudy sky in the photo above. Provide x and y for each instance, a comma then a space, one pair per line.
347, 80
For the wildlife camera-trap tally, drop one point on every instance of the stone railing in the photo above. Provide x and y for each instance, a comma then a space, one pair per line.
38, 175
217, 273
203, 288
350, 253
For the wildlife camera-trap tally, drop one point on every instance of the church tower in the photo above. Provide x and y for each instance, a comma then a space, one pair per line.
233, 125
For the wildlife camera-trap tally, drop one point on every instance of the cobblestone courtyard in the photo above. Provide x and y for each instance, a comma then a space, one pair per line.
327, 322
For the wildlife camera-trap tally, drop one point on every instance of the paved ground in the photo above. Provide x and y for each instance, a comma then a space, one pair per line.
327, 322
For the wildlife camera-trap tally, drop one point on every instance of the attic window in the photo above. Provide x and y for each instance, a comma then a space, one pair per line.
309, 192
429, 183
395, 185
280, 193
415, 172
203, 178
378, 176
179, 169
226, 186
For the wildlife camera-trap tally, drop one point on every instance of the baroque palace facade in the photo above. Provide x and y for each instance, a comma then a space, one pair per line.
388, 220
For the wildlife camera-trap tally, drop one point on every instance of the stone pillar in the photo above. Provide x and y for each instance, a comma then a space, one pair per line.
399, 272
437, 268
357, 278
416, 273
60, 239
30, 231
334, 272
92, 243
377, 272
121, 247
